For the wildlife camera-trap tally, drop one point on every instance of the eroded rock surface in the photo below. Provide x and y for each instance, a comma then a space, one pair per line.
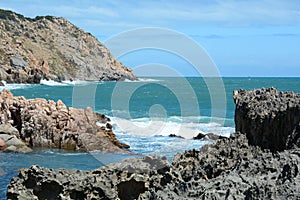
229, 169
45, 123
269, 118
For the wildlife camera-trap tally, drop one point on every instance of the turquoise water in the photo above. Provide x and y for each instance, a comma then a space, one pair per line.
143, 114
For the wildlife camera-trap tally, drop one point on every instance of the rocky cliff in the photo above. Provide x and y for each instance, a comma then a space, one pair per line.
232, 168
269, 118
53, 48
45, 123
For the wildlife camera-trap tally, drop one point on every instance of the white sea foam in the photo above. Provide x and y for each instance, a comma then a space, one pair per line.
143, 80
63, 83
51, 83
15, 86
186, 127
148, 80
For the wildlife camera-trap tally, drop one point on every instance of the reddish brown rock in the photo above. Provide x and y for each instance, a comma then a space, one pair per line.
44, 123
2, 145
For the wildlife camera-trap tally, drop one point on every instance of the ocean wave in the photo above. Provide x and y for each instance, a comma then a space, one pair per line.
143, 80
187, 127
51, 83
15, 86
64, 83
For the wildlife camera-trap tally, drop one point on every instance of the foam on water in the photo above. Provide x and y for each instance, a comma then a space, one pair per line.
143, 80
15, 86
186, 127
148, 136
63, 83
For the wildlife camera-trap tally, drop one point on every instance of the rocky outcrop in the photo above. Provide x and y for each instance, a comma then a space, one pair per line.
45, 123
229, 169
232, 168
208, 136
269, 118
53, 48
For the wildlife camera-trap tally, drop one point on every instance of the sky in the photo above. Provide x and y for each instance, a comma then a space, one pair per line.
242, 37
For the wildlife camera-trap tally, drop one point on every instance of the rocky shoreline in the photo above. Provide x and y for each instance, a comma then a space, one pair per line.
45, 123
238, 167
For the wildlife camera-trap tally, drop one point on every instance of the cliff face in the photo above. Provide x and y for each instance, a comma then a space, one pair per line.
51, 47
269, 118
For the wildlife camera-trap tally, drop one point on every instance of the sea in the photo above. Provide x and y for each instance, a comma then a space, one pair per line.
143, 114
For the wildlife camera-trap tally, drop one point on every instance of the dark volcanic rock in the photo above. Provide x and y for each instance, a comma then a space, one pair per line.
269, 118
176, 136
229, 169
126, 180
209, 136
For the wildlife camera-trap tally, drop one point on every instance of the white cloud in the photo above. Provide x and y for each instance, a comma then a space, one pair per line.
226, 12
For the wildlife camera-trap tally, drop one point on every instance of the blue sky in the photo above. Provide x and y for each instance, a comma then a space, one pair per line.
244, 38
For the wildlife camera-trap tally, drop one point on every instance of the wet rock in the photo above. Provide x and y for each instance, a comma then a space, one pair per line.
177, 136
208, 136
269, 118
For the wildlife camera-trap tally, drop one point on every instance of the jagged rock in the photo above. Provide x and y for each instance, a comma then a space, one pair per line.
268, 117
228, 169
53, 48
45, 123
176, 136
208, 136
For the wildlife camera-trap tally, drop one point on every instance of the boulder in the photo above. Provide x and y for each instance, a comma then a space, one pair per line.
18, 62
9, 130
9, 141
268, 117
